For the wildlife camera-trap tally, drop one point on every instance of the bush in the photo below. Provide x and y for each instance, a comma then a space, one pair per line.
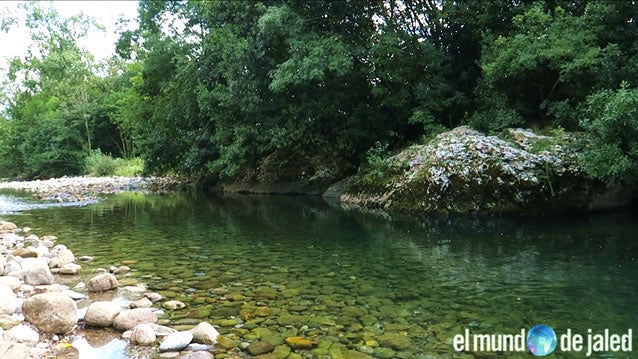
129, 168
612, 125
99, 164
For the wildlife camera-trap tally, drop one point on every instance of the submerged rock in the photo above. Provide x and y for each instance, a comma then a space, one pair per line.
261, 347
465, 171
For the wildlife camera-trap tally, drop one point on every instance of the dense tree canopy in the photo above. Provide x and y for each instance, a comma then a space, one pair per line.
212, 89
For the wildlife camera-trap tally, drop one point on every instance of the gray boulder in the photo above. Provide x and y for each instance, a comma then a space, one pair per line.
51, 312
35, 271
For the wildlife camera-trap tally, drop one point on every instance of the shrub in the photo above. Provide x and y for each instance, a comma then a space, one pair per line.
100, 164
612, 125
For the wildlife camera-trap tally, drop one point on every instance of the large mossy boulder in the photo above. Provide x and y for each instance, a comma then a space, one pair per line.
464, 171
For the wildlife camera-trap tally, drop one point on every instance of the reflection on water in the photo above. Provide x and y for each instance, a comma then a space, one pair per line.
17, 201
294, 266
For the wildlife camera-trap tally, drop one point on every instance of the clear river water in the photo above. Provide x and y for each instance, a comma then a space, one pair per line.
271, 267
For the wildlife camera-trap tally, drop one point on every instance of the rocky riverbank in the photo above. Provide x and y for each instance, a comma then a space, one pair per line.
464, 171
41, 318
81, 189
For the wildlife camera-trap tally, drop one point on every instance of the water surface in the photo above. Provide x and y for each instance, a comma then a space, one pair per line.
280, 266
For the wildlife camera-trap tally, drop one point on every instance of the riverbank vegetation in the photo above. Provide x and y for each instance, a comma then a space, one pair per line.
222, 90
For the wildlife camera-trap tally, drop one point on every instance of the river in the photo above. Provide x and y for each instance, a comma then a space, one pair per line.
276, 266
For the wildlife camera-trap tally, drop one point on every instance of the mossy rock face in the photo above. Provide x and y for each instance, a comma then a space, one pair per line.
464, 171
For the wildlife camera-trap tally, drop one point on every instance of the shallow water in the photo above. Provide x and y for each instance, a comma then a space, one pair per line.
395, 289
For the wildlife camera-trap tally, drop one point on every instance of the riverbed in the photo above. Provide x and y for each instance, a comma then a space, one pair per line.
274, 266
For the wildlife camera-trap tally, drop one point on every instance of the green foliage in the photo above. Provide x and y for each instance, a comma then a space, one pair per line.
613, 127
379, 170
99, 164
551, 58
212, 89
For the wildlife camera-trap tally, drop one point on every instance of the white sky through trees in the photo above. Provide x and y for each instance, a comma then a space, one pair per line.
100, 43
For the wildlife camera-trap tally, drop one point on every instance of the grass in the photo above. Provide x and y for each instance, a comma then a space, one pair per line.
99, 164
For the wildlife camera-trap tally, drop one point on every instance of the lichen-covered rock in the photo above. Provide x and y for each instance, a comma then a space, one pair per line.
465, 171
51, 312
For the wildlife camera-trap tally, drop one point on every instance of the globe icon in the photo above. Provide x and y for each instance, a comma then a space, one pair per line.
541, 340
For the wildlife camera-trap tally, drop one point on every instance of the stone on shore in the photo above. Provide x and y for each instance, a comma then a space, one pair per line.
10, 350
35, 271
102, 283
7, 226
23, 334
9, 321
141, 303
8, 300
11, 282
173, 305
143, 334
3, 263
204, 333
51, 312
154, 297
161, 330
198, 355
101, 314
70, 269
63, 257
176, 341
128, 319
24, 253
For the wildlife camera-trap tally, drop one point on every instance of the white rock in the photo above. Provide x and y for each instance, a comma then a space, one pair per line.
205, 333
70, 269
102, 282
23, 334
142, 303
176, 341
73, 294
11, 282
9, 301
143, 334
